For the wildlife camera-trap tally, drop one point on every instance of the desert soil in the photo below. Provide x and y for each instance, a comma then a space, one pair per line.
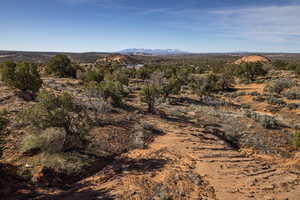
191, 162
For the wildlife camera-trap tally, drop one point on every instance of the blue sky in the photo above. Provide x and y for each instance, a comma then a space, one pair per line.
111, 25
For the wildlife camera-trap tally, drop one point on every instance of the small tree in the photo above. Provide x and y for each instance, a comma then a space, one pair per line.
107, 89
172, 86
23, 76
93, 75
27, 77
149, 95
60, 65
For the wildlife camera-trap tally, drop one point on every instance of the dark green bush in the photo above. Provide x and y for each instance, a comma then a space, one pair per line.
280, 64
143, 73
171, 86
149, 95
23, 76
56, 126
107, 89
249, 71
121, 76
93, 75
7, 72
50, 111
208, 83
297, 69
266, 121
61, 66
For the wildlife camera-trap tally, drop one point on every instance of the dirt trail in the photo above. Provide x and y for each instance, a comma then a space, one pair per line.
191, 163
232, 174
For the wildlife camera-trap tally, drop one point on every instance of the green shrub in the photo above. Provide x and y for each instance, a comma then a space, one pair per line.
171, 86
225, 81
56, 126
107, 89
31, 144
208, 83
280, 64
121, 76
249, 71
23, 76
149, 95
51, 140
297, 69
50, 111
266, 121
279, 85
7, 71
275, 101
296, 140
143, 73
60, 65
93, 75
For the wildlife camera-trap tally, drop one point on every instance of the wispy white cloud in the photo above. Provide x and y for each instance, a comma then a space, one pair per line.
273, 23
270, 23
278, 24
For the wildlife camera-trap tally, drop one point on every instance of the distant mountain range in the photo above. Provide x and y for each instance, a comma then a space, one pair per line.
153, 51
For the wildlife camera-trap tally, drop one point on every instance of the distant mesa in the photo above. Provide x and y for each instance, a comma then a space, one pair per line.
253, 58
117, 58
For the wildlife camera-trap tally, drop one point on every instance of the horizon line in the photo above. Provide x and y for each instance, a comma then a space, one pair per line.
109, 52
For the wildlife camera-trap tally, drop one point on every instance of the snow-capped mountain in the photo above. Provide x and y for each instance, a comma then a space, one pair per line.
153, 51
